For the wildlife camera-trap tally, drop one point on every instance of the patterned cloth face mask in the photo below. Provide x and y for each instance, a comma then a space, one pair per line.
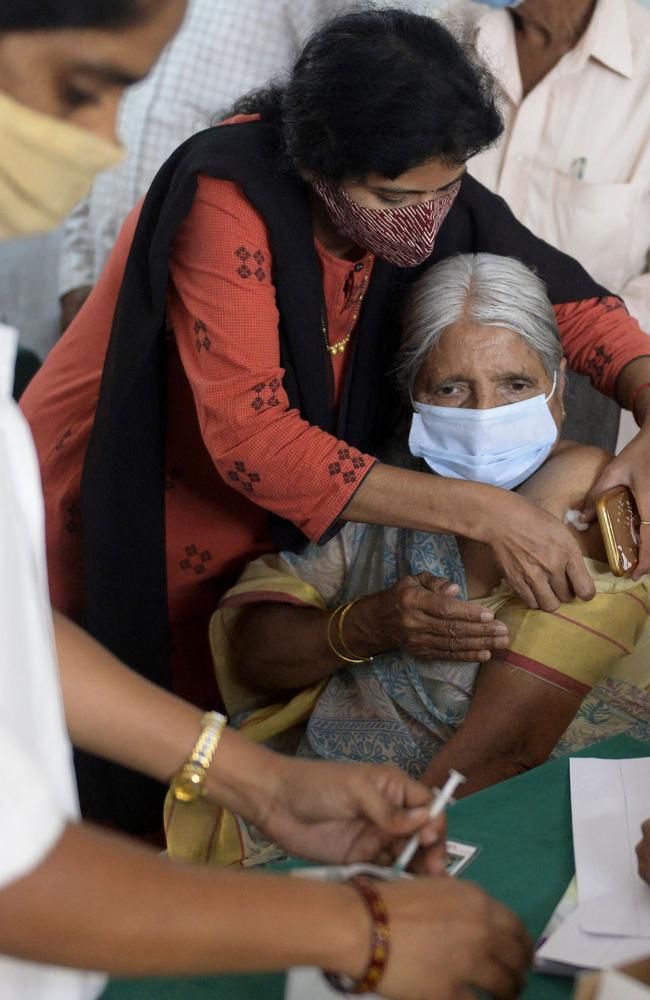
402, 236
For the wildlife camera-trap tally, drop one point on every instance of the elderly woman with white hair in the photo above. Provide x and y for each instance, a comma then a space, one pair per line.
335, 645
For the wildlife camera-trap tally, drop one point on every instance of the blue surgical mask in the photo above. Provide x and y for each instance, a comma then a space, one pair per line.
501, 446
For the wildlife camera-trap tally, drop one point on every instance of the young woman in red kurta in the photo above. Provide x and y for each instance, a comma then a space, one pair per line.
224, 386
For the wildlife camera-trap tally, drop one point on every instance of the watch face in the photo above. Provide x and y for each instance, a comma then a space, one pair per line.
188, 784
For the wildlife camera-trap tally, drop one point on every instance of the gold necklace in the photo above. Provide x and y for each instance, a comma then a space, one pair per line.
340, 346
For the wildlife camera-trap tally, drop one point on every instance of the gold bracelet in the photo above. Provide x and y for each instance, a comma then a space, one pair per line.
344, 645
189, 782
338, 653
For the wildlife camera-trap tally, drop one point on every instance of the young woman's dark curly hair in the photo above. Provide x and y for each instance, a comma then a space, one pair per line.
380, 91
57, 15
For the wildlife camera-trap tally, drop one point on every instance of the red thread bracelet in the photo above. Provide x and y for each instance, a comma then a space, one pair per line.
379, 943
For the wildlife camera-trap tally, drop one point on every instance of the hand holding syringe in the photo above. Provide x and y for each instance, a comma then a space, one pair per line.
441, 800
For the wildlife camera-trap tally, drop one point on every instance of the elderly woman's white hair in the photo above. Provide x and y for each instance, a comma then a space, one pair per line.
482, 288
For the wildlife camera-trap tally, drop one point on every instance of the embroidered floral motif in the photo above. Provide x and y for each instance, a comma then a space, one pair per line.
257, 257
597, 363
247, 480
195, 560
347, 465
60, 444
266, 395
71, 523
203, 341
611, 303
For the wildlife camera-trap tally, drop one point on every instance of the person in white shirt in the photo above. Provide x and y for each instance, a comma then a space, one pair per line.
574, 160
224, 49
66, 888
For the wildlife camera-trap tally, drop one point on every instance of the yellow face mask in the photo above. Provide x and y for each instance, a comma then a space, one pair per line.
46, 167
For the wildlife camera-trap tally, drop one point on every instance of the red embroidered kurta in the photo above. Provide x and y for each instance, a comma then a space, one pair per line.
234, 447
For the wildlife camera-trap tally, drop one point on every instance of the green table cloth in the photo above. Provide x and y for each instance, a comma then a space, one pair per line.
523, 829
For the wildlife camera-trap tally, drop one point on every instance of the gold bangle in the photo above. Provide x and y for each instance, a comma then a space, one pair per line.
341, 656
344, 645
189, 782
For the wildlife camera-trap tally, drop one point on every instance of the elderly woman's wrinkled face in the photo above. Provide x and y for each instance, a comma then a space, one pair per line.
480, 367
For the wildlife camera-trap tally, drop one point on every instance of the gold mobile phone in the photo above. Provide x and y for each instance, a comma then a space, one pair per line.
618, 518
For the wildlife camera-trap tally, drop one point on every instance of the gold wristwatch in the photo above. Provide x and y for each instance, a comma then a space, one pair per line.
188, 783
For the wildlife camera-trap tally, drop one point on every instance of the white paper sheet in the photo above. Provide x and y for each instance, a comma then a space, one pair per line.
616, 986
609, 801
305, 983
573, 948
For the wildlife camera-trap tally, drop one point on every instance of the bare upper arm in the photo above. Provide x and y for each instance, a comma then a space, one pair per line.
513, 723
566, 477
562, 484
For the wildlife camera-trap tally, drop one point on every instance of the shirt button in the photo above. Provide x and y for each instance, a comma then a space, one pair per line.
358, 267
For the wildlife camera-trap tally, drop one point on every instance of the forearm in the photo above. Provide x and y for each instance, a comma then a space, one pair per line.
113, 712
482, 765
282, 647
635, 374
636, 295
513, 722
101, 902
418, 500
600, 338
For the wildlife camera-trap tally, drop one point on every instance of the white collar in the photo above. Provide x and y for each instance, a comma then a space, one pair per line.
608, 40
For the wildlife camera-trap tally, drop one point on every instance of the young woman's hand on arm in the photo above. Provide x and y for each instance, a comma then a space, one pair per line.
539, 557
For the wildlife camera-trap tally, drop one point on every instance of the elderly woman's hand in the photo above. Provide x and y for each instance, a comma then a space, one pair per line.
423, 615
